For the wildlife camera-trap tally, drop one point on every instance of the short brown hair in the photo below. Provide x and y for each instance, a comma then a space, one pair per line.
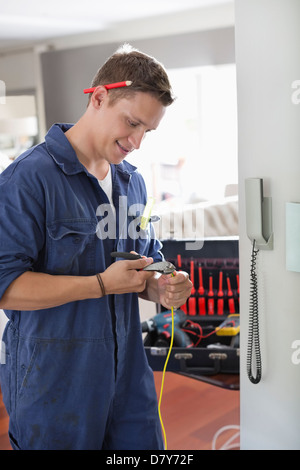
146, 73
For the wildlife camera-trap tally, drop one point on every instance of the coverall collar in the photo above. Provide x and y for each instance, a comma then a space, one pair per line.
65, 156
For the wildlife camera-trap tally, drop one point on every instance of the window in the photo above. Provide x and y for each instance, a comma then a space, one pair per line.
193, 154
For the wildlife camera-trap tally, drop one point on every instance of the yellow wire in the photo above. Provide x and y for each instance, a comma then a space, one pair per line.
163, 379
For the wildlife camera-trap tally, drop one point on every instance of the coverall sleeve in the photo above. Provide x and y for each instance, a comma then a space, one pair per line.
21, 231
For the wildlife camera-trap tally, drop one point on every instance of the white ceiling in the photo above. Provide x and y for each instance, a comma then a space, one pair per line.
24, 21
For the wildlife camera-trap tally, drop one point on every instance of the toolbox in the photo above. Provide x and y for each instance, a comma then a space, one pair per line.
206, 338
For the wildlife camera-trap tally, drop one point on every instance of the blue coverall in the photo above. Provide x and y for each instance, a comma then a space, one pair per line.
75, 376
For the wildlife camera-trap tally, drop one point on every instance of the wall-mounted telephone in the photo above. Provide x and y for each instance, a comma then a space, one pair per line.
258, 214
259, 230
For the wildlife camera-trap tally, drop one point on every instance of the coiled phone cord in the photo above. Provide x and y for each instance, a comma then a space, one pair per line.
253, 334
163, 378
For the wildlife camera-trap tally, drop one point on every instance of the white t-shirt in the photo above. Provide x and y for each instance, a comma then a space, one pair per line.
106, 185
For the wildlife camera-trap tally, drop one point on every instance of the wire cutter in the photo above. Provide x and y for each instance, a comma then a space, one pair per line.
163, 267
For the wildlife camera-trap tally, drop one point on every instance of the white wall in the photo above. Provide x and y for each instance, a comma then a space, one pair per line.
17, 70
268, 62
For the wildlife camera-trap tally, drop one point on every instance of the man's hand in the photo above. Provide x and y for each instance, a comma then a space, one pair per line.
126, 276
174, 290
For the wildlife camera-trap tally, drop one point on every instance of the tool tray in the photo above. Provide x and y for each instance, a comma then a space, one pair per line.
215, 358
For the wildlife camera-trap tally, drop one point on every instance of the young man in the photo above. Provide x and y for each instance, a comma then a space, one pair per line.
76, 375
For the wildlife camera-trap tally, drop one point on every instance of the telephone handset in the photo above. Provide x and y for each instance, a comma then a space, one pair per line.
258, 214
259, 230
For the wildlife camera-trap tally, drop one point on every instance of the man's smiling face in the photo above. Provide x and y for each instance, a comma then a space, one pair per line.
120, 128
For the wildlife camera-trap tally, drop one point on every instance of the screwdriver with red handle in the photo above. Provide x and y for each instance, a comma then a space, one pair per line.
210, 294
192, 298
238, 286
179, 265
201, 292
231, 305
220, 303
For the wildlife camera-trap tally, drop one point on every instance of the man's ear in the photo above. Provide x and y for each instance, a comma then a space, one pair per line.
99, 95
